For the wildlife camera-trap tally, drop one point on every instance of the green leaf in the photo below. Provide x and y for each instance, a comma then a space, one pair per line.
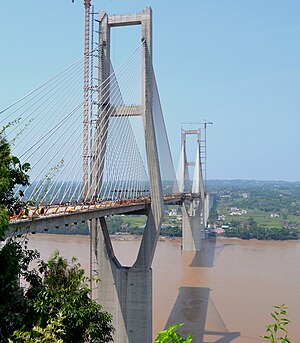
15, 160
26, 167
280, 324
274, 316
169, 335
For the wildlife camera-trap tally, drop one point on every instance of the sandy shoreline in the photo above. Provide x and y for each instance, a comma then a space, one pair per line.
130, 237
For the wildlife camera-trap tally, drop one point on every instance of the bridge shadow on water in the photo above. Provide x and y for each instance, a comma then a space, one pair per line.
205, 257
209, 252
195, 308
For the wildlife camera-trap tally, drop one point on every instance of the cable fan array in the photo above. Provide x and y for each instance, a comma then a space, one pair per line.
45, 128
167, 172
124, 175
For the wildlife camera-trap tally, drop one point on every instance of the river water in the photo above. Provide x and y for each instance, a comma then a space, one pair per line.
223, 294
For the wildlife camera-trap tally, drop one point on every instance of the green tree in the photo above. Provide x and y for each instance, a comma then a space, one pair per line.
213, 216
12, 173
59, 306
49, 334
14, 263
13, 260
56, 306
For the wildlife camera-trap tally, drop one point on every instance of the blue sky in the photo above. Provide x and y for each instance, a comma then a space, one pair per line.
235, 63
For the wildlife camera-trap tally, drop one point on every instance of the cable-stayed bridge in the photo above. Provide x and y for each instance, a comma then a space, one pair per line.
99, 148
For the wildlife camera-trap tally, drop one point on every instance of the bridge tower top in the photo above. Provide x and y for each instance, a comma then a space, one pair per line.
144, 109
197, 185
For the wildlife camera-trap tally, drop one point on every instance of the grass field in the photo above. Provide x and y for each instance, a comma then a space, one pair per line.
137, 221
262, 218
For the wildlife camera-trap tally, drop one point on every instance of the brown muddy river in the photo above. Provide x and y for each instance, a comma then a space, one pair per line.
223, 294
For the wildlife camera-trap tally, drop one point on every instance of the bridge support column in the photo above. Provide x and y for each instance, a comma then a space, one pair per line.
193, 228
125, 292
206, 208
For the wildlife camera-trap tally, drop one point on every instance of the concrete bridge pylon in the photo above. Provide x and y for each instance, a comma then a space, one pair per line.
126, 292
194, 207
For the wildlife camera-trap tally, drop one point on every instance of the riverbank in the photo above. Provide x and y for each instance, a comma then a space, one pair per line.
130, 237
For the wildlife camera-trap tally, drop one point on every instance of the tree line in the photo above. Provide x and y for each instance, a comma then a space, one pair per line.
250, 230
54, 304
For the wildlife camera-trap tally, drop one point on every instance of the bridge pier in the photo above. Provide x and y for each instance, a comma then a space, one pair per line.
207, 207
125, 292
193, 226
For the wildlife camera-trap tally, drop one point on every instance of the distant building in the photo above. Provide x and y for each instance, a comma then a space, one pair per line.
234, 211
222, 217
218, 230
173, 212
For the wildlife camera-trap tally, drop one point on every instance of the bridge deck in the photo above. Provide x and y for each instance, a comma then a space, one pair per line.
64, 214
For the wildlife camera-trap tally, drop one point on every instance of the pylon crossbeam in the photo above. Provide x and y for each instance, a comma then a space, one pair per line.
131, 110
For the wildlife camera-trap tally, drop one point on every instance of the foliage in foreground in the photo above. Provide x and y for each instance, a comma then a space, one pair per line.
55, 308
49, 334
276, 332
14, 262
12, 173
169, 335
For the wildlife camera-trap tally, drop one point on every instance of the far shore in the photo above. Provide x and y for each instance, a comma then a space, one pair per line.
117, 237
132, 237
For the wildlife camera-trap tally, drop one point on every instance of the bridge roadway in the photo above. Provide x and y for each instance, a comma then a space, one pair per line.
65, 214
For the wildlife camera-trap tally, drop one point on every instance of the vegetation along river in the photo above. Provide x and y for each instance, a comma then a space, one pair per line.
223, 294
